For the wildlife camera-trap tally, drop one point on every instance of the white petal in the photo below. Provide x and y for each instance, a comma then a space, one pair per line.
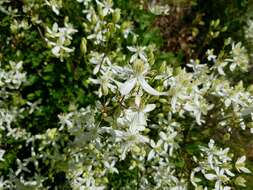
132, 49
149, 108
230, 173
221, 71
127, 86
141, 119
245, 170
56, 50
143, 57
137, 100
133, 58
241, 160
151, 154
188, 107
56, 11
232, 66
55, 27
96, 69
94, 81
210, 176
227, 102
163, 136
148, 88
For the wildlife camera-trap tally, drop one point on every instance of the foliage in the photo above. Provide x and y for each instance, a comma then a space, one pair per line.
90, 99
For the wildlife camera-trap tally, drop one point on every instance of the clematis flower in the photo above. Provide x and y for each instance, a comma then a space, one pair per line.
130, 138
59, 38
106, 7
240, 165
55, 5
139, 52
138, 78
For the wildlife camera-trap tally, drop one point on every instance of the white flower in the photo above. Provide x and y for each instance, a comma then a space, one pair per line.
139, 120
111, 166
139, 52
197, 106
138, 78
156, 149
65, 120
220, 178
55, 5
21, 167
60, 38
107, 6
240, 165
239, 57
106, 82
130, 138
100, 60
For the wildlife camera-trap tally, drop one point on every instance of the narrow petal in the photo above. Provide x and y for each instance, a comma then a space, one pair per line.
133, 58
241, 160
148, 88
127, 86
143, 57
210, 176
56, 50
149, 108
132, 49
245, 170
151, 155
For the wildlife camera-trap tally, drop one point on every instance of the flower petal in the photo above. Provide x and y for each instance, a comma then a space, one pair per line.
56, 50
132, 49
210, 176
127, 86
148, 88
149, 108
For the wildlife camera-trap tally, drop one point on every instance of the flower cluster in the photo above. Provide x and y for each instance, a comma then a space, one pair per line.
216, 166
59, 38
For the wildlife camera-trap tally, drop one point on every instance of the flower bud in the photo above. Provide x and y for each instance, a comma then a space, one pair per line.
83, 46
116, 15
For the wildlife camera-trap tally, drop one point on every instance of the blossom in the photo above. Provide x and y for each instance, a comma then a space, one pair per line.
239, 57
59, 38
139, 52
130, 138
55, 5
240, 165
106, 82
138, 78
106, 6
220, 178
